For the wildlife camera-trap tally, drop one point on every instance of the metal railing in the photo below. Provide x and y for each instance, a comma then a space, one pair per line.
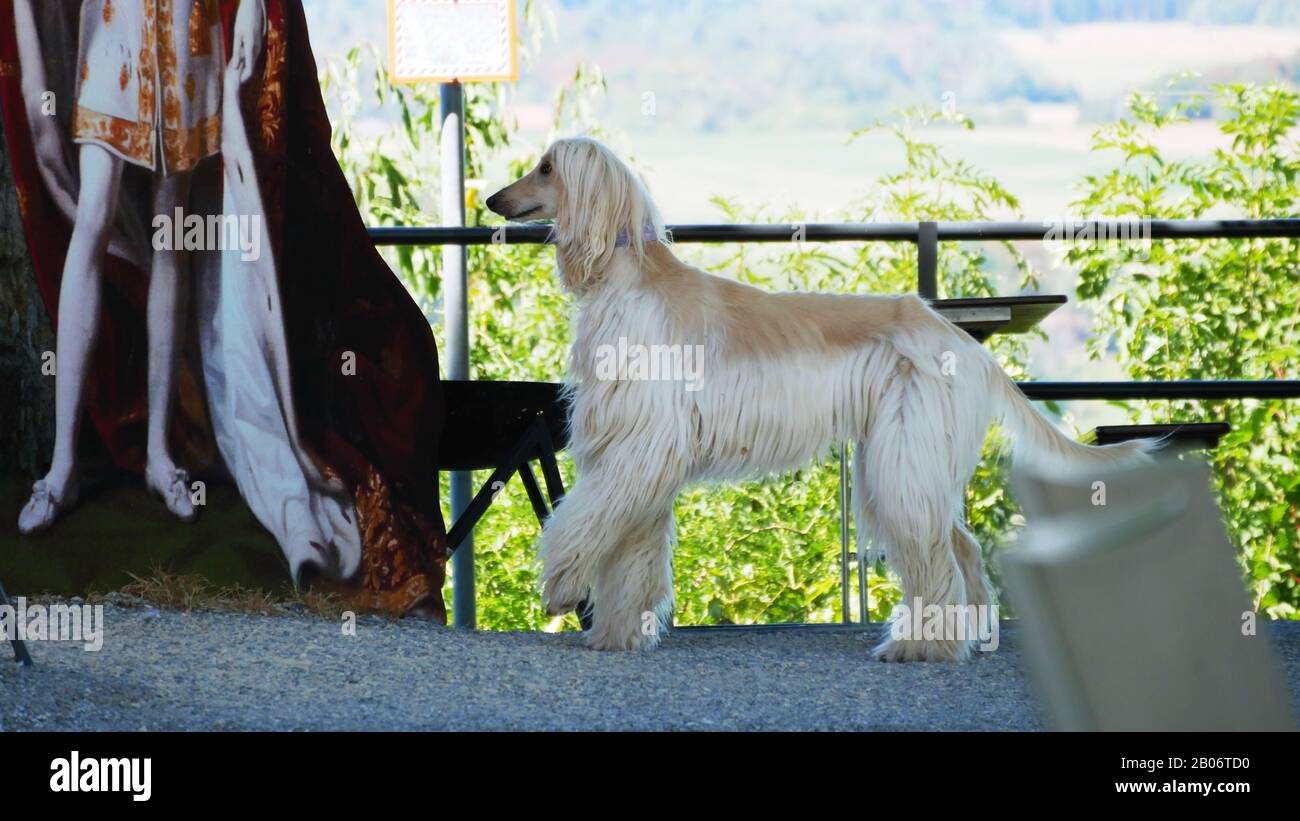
927, 236
849, 231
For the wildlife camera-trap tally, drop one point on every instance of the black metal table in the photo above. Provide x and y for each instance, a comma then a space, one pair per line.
1178, 436
504, 427
981, 317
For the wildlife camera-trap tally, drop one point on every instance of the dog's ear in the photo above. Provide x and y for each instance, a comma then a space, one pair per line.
601, 199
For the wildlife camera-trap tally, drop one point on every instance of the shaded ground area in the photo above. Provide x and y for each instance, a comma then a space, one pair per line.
118, 528
174, 670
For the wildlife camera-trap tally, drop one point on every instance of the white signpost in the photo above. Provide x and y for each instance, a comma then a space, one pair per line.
453, 42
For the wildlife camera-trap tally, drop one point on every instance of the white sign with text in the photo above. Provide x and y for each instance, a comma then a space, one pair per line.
451, 40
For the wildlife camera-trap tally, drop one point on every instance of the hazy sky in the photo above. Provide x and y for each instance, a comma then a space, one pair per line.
781, 85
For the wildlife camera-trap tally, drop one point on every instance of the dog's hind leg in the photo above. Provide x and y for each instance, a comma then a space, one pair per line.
634, 588
930, 576
911, 500
978, 590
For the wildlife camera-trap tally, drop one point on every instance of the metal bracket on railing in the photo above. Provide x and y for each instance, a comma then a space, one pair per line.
927, 260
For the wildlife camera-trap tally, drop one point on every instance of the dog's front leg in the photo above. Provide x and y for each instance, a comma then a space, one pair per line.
634, 587
586, 526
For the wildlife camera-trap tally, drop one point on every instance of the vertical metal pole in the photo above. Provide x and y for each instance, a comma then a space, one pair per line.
455, 306
864, 594
20, 649
845, 616
864, 600
927, 260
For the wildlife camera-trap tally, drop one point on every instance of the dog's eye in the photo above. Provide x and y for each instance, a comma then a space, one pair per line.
544, 168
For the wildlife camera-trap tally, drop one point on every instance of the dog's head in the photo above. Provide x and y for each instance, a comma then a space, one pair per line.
596, 202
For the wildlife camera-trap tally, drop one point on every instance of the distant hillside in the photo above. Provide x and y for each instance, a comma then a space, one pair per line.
720, 65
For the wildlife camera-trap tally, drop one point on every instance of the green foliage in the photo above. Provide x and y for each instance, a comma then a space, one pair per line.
1211, 309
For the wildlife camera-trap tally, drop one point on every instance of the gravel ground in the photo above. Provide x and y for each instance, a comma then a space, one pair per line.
174, 670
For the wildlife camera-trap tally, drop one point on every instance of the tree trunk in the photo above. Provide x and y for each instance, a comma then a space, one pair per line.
26, 396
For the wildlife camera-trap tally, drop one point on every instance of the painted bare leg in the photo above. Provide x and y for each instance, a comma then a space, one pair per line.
168, 281
79, 297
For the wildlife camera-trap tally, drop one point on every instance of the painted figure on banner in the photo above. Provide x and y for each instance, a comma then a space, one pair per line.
206, 271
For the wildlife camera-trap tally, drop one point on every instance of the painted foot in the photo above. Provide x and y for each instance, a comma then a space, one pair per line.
46, 503
173, 486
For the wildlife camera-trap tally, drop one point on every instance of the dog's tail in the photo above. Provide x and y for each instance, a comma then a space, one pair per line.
1042, 445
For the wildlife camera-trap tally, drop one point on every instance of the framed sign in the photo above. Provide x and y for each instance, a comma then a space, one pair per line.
442, 41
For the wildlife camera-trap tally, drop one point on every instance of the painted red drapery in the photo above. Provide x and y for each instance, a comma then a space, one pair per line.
376, 430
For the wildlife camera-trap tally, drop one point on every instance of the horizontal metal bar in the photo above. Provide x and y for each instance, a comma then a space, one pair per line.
1067, 230
791, 232
532, 234
1188, 389
471, 235
804, 627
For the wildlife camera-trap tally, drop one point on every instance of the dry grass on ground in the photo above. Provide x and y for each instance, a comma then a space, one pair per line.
177, 591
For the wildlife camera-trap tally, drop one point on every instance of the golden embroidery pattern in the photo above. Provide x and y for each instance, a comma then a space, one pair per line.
181, 147
396, 575
269, 98
202, 13
134, 141
184, 147
396, 571
148, 69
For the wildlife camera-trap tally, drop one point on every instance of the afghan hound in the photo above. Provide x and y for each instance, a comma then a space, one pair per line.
677, 376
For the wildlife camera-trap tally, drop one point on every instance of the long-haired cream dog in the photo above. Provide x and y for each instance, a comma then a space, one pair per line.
752, 383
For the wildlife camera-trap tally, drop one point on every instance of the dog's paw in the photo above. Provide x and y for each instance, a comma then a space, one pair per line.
563, 588
898, 650
560, 597
604, 638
